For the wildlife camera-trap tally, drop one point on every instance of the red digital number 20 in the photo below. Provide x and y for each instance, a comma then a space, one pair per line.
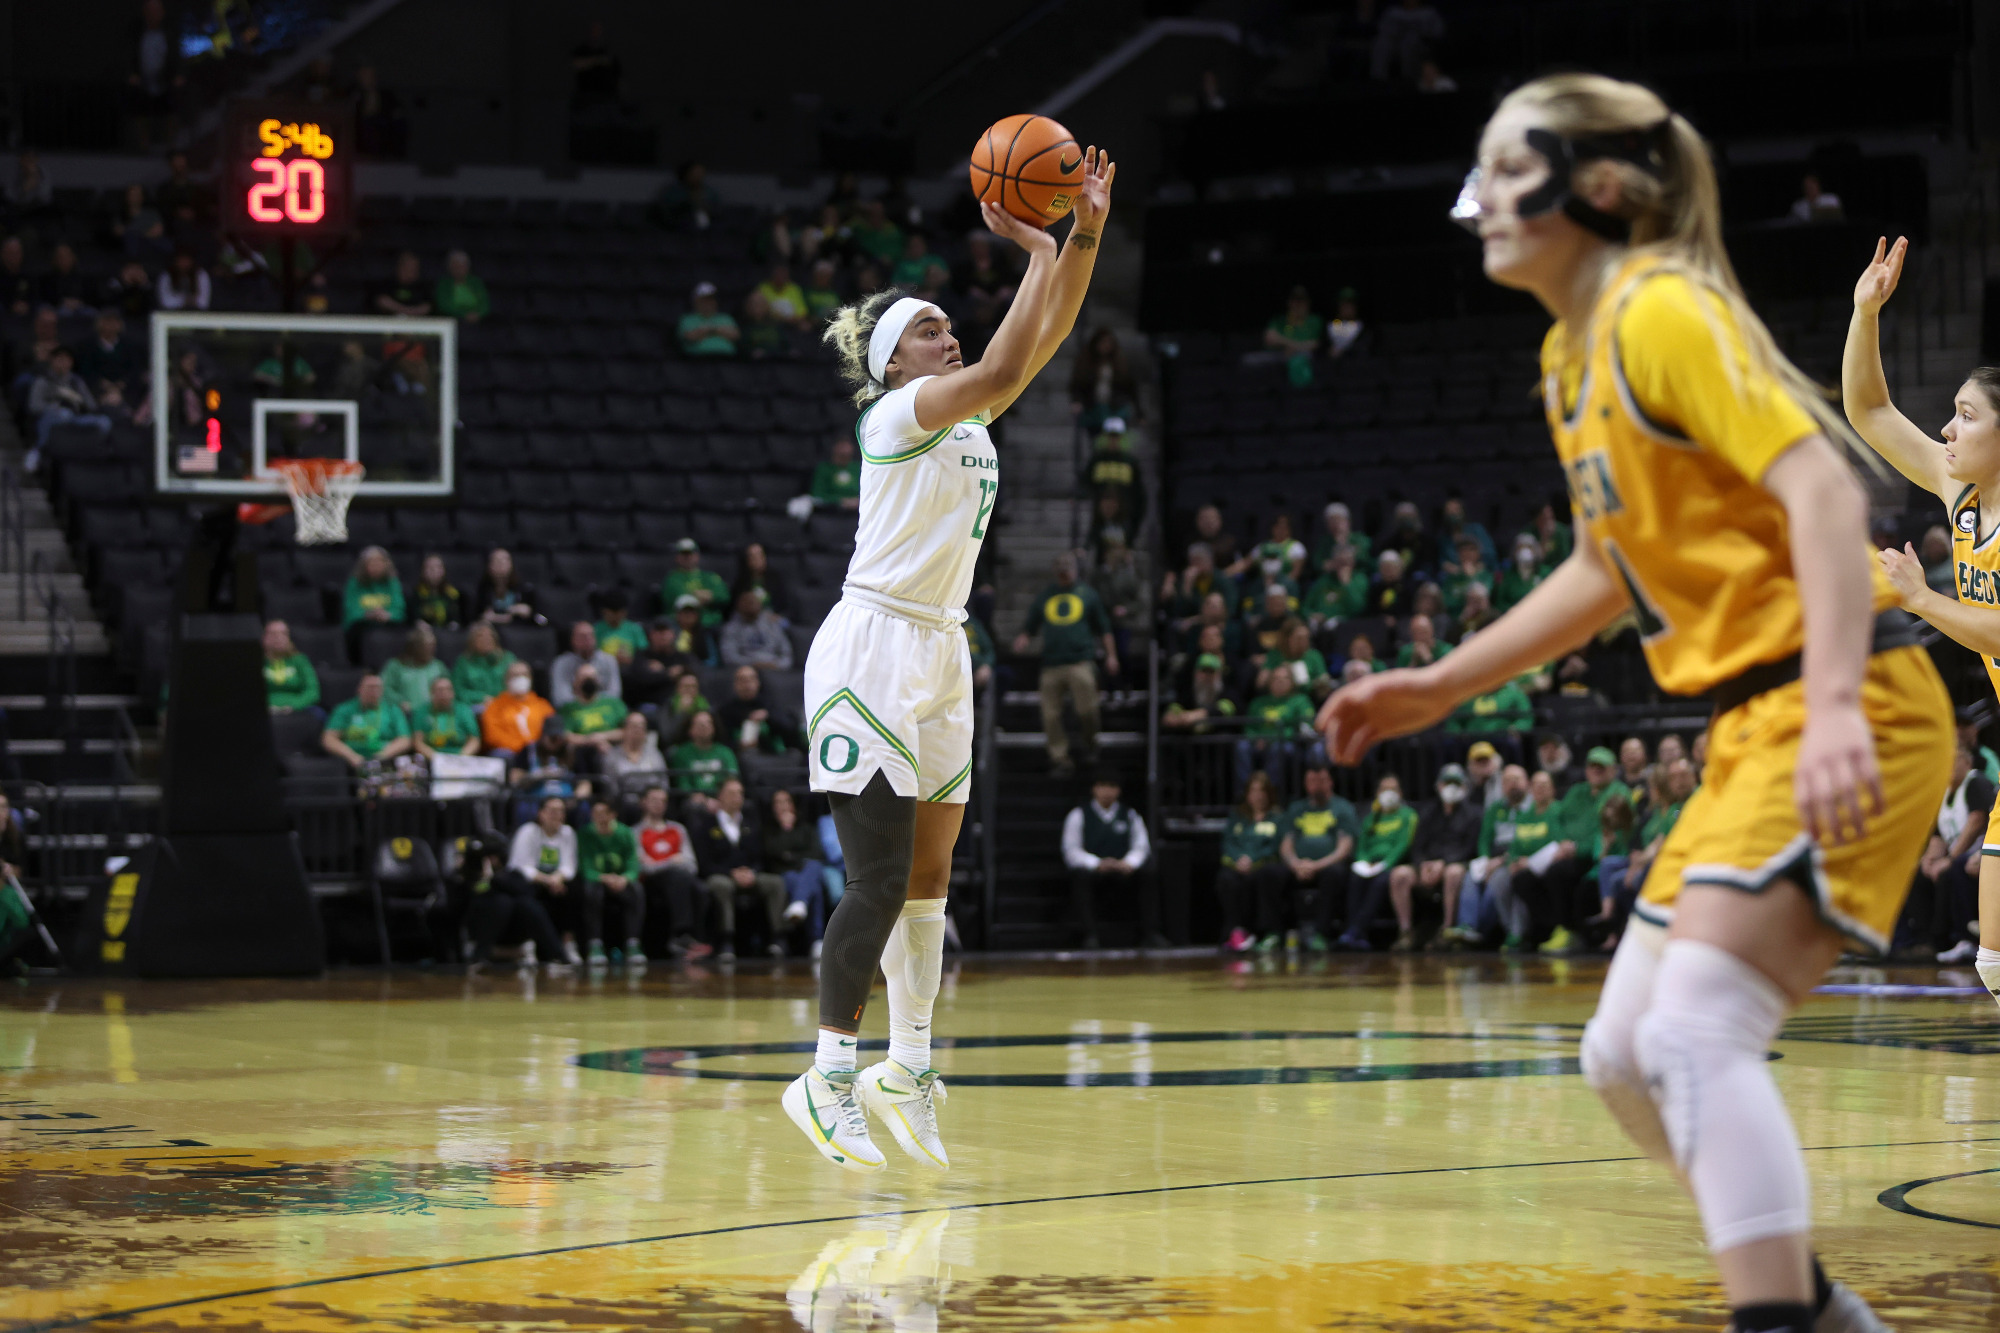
300, 184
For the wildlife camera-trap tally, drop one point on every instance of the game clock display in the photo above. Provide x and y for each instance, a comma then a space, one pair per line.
286, 168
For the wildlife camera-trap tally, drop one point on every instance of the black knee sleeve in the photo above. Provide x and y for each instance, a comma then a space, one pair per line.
878, 838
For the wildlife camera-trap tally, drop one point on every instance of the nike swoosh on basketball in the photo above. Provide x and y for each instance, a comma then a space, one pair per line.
1067, 167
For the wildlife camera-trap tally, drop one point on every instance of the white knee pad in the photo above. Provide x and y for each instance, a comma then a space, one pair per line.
1702, 1046
1610, 1064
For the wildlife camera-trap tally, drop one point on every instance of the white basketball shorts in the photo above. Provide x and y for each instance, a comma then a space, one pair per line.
884, 692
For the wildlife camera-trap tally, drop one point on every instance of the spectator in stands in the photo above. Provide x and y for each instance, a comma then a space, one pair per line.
137, 227
1486, 890
636, 756
1201, 695
692, 635
1482, 772
1501, 717
1940, 573
290, 683
183, 285
443, 725
755, 574
700, 763
1619, 889
1423, 646
583, 651
432, 599
1556, 536
481, 670
1816, 204
512, 722
707, 330
755, 637
1276, 724
1250, 857
986, 282
1278, 558
60, 397
1523, 574
1113, 472
913, 265
752, 722
1455, 527
1470, 567
688, 577
1389, 591
1949, 871
366, 727
1337, 531
1447, 840
1555, 892
1104, 844
1073, 624
822, 293
64, 287
270, 373
1116, 583
1387, 834
373, 596
408, 676
686, 203
461, 294
607, 853
155, 76
1101, 384
763, 336
1215, 614
1339, 594
1184, 596
501, 901
669, 874
501, 597
1477, 612
1268, 630
650, 676
979, 646
1209, 528
1554, 757
108, 357
593, 719
1345, 333
1405, 535
874, 236
836, 482
785, 299
728, 844
404, 293
1295, 335
1405, 36
1295, 656
1318, 848
1633, 765
677, 714
617, 633
182, 200
544, 852
792, 853
17, 285
44, 336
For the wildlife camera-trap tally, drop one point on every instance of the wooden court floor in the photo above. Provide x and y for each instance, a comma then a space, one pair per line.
1394, 1144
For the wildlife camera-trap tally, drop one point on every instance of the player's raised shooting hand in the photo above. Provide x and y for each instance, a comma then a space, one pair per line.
1035, 240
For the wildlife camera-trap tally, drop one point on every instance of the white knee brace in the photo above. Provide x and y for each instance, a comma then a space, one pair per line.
1702, 1047
1610, 1065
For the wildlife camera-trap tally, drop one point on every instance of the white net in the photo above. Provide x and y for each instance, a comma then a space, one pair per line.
321, 491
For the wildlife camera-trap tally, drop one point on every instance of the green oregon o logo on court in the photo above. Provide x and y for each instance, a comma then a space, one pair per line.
826, 753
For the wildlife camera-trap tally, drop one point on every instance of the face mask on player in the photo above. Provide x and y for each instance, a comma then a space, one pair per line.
1640, 148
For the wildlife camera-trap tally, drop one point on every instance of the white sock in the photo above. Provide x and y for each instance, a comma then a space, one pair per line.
913, 961
1987, 963
1702, 1046
836, 1052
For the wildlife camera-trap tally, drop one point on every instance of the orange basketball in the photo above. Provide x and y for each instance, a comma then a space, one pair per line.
1030, 166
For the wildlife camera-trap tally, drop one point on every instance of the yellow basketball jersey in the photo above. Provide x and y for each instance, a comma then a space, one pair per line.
1665, 429
1976, 559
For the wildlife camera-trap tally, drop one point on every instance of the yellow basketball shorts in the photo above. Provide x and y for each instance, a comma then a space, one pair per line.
1741, 827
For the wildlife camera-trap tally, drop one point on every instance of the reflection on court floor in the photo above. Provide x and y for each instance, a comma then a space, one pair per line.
1369, 1144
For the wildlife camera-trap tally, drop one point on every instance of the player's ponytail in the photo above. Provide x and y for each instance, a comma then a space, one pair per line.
1676, 212
849, 331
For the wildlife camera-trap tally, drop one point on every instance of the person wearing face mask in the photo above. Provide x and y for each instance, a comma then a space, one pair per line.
513, 719
1521, 575
1447, 840
1713, 505
1387, 833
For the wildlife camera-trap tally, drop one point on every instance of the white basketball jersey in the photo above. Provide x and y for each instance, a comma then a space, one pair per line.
926, 497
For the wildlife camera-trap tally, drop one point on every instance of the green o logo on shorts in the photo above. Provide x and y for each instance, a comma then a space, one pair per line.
826, 753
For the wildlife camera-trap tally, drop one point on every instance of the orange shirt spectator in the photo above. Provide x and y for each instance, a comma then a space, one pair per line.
513, 718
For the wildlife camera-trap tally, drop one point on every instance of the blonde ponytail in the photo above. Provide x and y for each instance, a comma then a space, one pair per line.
1676, 214
849, 331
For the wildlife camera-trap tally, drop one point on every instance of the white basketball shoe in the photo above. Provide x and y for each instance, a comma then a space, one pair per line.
825, 1109
1846, 1312
908, 1104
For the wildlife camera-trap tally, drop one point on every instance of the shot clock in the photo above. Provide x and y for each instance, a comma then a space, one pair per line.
286, 169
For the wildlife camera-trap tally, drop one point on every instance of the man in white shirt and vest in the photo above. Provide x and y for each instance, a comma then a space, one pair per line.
1105, 847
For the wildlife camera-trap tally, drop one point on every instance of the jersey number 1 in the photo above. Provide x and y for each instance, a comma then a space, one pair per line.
989, 491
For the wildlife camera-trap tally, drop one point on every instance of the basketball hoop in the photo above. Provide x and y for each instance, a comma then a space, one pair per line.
321, 488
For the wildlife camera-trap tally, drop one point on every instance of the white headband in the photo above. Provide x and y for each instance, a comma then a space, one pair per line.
889, 331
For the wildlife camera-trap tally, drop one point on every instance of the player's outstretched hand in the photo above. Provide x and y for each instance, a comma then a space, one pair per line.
1905, 572
1837, 784
1033, 239
1884, 271
1093, 197
1385, 705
